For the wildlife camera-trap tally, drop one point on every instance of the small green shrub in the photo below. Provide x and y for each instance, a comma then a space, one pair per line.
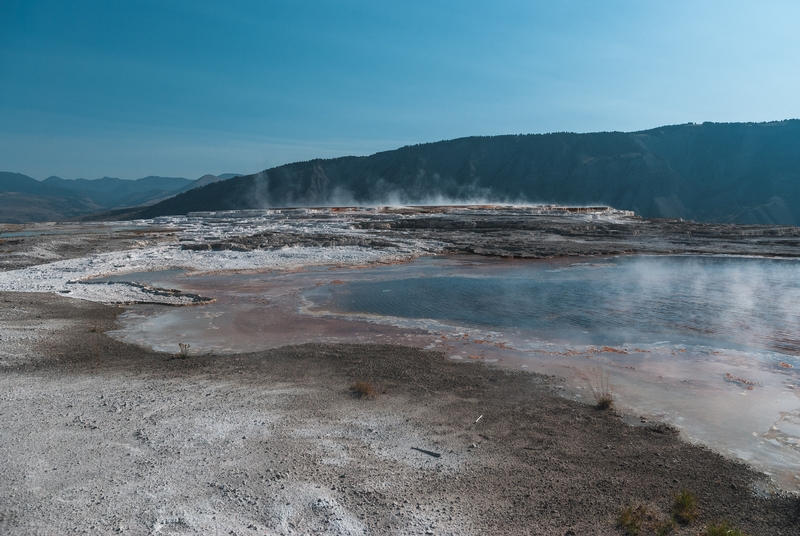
721, 529
684, 508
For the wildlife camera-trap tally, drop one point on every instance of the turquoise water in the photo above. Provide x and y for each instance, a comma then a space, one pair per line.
737, 303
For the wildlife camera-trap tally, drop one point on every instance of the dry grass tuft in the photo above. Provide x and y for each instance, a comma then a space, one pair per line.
632, 519
685, 507
602, 390
640, 518
363, 389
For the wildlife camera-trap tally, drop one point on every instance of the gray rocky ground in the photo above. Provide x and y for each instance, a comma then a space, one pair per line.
526, 232
531, 233
33, 244
101, 437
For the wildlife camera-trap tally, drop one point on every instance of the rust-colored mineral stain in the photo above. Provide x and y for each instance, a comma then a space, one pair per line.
608, 350
735, 379
280, 325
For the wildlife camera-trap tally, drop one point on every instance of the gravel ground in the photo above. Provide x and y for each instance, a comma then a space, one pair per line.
102, 437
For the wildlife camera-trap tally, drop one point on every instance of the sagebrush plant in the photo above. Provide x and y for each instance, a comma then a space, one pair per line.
184, 350
601, 387
664, 527
684, 508
364, 389
721, 529
631, 519
635, 519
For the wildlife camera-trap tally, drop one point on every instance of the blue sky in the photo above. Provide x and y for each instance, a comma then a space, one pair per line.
184, 88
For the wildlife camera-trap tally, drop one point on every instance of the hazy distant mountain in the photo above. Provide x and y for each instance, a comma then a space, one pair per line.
110, 192
23, 199
720, 172
208, 179
110, 184
16, 207
17, 182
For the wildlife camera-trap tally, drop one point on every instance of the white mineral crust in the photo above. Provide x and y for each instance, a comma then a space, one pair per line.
73, 277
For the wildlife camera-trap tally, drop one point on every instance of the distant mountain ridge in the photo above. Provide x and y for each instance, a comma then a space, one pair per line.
24, 199
714, 172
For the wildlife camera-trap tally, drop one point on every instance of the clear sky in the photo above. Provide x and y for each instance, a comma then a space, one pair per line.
183, 88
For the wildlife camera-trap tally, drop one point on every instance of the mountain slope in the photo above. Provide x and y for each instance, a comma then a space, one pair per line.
721, 172
207, 179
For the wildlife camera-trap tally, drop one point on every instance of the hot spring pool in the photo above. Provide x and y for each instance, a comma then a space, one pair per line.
709, 344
